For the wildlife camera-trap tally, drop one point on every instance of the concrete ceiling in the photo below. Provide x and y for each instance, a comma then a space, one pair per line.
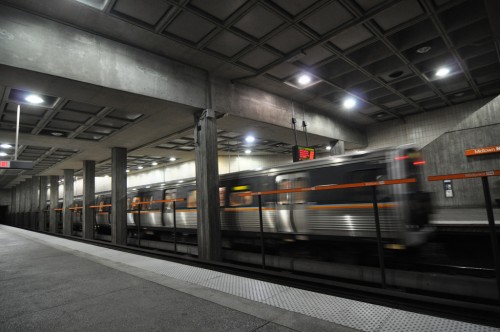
385, 53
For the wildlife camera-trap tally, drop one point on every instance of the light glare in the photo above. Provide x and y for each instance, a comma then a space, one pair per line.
442, 72
248, 151
250, 139
349, 103
34, 99
304, 79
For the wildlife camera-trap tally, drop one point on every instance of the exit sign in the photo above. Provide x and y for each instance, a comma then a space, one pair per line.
4, 164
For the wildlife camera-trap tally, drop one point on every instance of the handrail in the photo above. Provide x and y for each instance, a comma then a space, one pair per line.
76, 208
162, 201
332, 187
57, 209
99, 206
464, 175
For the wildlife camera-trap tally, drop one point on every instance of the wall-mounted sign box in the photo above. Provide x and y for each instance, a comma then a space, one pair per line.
15, 164
300, 153
480, 151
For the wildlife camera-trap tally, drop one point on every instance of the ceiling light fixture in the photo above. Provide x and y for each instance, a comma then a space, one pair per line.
56, 133
140, 167
34, 99
442, 72
249, 139
328, 148
349, 103
423, 49
304, 79
128, 171
173, 159
248, 151
3, 154
154, 163
6, 146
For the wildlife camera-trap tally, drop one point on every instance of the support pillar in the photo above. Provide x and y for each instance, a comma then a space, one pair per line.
26, 203
68, 201
54, 196
35, 202
119, 196
88, 199
12, 214
207, 182
15, 206
337, 147
42, 202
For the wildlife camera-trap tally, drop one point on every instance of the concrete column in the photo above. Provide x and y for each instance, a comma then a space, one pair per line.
88, 199
15, 205
26, 201
54, 196
337, 147
42, 203
207, 182
68, 200
35, 202
119, 196
12, 214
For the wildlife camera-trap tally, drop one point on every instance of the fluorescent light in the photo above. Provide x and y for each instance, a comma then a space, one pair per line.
442, 72
3, 154
349, 103
147, 187
180, 181
154, 163
173, 159
250, 139
34, 99
304, 79
6, 146
140, 167
248, 151
328, 148
128, 171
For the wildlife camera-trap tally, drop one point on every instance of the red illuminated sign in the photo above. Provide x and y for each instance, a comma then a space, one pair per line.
303, 153
4, 164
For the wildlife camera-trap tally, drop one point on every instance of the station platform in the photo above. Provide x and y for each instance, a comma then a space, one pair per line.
49, 283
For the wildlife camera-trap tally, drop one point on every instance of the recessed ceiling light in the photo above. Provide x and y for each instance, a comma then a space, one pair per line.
140, 167
3, 154
248, 151
423, 49
250, 139
442, 72
173, 159
349, 103
304, 79
396, 74
6, 146
34, 99
328, 148
154, 163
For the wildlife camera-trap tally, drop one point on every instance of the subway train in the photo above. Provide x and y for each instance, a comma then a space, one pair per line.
343, 214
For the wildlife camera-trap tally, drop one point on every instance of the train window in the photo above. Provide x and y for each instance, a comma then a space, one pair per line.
222, 196
191, 199
148, 205
135, 200
300, 197
101, 207
284, 184
168, 196
236, 200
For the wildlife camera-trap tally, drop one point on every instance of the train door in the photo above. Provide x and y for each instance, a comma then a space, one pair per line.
291, 208
168, 208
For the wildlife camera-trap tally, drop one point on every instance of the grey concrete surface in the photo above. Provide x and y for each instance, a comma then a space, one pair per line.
43, 288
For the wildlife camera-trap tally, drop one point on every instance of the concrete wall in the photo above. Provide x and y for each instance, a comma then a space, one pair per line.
420, 129
446, 155
5, 197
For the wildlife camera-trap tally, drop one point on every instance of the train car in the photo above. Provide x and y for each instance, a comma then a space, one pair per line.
344, 214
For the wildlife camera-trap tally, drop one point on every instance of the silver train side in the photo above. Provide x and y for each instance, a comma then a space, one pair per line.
347, 213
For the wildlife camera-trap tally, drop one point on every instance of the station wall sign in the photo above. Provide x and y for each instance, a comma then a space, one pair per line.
480, 151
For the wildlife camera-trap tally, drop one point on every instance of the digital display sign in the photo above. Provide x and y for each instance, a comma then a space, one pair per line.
16, 164
303, 153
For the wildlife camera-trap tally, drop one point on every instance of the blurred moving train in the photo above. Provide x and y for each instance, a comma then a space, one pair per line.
345, 214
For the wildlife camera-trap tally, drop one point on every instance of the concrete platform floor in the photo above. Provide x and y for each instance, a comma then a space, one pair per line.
51, 284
